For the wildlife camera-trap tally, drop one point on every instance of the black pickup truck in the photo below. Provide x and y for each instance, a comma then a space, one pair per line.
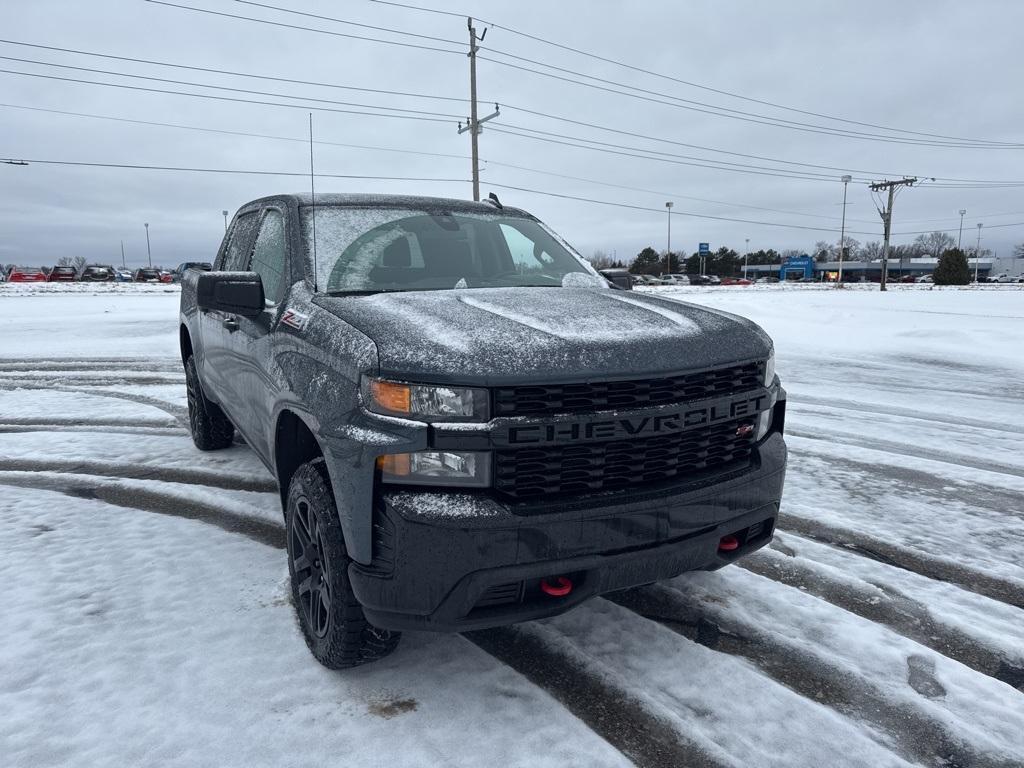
469, 426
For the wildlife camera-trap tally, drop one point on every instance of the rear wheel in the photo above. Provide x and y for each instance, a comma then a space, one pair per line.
331, 618
211, 429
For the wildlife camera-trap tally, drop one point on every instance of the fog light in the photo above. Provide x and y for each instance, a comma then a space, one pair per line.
458, 468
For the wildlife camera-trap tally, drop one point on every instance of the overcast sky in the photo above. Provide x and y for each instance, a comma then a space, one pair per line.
941, 68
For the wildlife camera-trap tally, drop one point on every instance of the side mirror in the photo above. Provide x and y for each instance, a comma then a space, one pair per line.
240, 293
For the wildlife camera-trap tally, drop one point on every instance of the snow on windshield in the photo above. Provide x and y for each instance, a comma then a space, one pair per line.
389, 249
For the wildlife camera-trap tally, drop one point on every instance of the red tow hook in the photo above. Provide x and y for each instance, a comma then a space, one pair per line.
560, 588
728, 544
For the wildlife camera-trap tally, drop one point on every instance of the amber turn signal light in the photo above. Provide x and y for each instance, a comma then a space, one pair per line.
391, 396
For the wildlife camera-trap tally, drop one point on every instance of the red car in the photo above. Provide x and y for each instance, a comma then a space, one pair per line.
61, 275
736, 281
26, 275
166, 277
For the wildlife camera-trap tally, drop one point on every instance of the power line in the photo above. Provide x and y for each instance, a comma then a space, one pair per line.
634, 134
227, 98
750, 118
664, 157
237, 171
206, 129
210, 70
304, 29
628, 206
224, 87
690, 83
661, 212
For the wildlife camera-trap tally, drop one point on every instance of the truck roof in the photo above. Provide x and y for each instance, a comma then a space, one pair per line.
360, 200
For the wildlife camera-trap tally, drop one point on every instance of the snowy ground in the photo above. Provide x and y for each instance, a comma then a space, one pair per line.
146, 620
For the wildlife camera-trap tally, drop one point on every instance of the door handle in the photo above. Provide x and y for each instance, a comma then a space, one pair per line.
230, 323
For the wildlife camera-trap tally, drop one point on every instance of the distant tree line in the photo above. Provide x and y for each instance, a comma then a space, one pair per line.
727, 262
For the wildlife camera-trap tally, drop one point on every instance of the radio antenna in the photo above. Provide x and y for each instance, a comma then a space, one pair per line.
312, 196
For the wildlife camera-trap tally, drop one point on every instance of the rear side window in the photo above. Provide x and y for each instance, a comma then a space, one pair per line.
268, 257
236, 255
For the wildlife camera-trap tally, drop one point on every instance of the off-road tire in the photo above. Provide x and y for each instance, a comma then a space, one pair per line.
211, 429
339, 635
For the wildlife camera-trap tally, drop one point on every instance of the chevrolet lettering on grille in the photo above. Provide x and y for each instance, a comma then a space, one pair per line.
637, 426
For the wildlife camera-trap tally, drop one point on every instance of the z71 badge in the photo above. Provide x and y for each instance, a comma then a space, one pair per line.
294, 319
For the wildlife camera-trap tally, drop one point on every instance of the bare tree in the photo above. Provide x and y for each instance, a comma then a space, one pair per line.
934, 243
64, 261
871, 251
790, 253
600, 259
1018, 251
824, 250
78, 262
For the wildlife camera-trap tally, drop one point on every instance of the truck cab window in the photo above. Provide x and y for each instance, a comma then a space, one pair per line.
268, 258
236, 255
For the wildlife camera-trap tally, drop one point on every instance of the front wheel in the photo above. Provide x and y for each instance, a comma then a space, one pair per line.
331, 618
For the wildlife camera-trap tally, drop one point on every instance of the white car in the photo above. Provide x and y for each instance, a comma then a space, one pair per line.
676, 279
925, 279
1005, 278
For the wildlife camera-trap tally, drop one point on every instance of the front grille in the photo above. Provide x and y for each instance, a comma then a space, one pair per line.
540, 400
529, 473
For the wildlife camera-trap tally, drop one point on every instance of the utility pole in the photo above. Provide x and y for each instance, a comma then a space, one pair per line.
473, 125
123, 265
149, 253
977, 253
225, 214
887, 217
960, 237
746, 254
842, 231
668, 245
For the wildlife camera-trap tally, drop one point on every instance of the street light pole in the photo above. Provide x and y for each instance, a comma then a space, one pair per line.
149, 253
960, 237
746, 255
668, 245
842, 231
977, 252
225, 220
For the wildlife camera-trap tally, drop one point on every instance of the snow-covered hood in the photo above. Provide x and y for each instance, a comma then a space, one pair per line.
507, 335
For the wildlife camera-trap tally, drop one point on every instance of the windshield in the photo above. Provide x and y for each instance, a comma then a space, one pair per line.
368, 250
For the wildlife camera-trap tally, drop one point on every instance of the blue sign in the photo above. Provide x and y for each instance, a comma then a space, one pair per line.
796, 267
704, 249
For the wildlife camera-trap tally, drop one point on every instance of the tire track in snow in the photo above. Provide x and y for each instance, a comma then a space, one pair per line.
150, 500
974, 581
917, 736
902, 449
29, 425
184, 476
177, 412
615, 715
850, 405
896, 611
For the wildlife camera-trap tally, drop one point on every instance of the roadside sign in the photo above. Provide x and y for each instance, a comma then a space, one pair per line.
704, 249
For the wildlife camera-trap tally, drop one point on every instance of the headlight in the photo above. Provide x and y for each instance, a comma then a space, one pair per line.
769, 369
461, 468
426, 403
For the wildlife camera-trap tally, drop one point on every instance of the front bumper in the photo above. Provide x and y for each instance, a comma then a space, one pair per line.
459, 561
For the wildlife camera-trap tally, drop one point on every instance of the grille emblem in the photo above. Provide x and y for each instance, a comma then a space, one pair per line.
744, 430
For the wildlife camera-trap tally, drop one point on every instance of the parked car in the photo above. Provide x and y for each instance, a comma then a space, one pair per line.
735, 281
61, 275
676, 279
26, 275
1006, 278
96, 273
925, 279
460, 480
704, 280
123, 275
146, 275
166, 276
205, 266
620, 278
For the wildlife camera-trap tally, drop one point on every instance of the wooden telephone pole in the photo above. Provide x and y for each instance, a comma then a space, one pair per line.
886, 215
473, 125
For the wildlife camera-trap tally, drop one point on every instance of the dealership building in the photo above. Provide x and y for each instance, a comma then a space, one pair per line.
805, 267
